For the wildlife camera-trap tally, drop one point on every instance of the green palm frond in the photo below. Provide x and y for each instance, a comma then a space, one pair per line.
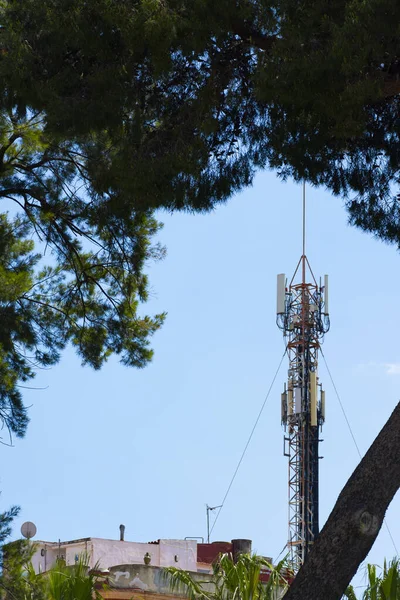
350, 593
371, 592
277, 578
390, 585
383, 584
231, 580
182, 581
75, 582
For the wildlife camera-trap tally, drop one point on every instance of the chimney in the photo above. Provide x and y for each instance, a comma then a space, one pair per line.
121, 533
240, 547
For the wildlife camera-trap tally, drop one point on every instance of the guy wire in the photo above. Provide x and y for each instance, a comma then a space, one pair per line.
248, 440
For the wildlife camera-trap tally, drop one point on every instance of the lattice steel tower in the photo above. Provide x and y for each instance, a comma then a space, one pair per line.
303, 316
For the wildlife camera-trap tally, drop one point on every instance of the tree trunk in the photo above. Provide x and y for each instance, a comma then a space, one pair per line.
354, 522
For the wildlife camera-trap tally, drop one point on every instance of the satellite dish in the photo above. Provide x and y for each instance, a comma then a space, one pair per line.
28, 530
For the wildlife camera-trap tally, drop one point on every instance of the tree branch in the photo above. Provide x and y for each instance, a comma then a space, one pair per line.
354, 522
391, 86
253, 37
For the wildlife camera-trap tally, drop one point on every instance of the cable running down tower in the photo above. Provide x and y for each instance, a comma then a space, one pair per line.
303, 316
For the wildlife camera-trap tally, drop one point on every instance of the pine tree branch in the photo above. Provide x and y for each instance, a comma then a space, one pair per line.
391, 86
253, 37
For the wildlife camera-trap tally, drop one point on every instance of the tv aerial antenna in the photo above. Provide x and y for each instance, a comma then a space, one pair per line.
208, 509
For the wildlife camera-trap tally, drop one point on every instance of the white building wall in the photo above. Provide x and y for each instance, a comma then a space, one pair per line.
73, 551
37, 560
46, 554
109, 553
184, 550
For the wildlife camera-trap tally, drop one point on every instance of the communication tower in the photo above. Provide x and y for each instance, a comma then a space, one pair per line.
303, 316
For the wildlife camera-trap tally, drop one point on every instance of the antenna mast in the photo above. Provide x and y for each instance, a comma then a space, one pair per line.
303, 316
208, 508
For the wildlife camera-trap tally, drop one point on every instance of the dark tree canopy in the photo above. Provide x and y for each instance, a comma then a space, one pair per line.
177, 103
111, 109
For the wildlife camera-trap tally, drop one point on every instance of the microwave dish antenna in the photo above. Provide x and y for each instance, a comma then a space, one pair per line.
28, 530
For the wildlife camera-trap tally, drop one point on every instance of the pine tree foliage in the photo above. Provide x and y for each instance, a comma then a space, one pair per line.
72, 263
6, 518
177, 103
111, 109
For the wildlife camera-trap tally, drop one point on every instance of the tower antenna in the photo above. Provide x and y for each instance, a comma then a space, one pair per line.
304, 218
303, 316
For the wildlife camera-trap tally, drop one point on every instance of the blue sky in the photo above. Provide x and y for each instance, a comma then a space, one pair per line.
150, 448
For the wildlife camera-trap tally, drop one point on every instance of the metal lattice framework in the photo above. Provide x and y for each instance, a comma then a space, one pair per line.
303, 317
